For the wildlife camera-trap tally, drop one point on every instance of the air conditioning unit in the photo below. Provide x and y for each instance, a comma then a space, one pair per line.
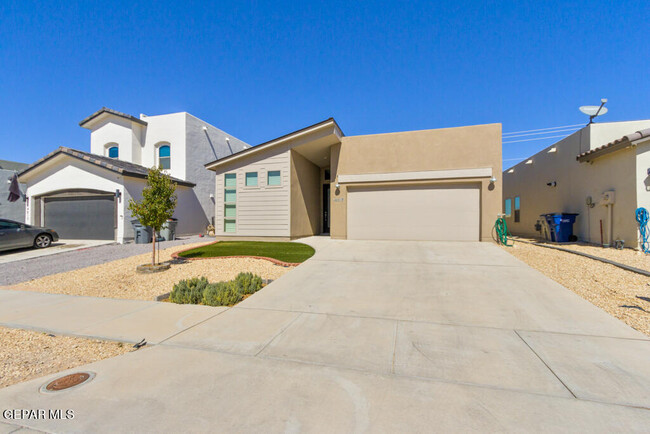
607, 198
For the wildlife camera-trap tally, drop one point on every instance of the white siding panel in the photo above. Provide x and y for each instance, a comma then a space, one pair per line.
262, 211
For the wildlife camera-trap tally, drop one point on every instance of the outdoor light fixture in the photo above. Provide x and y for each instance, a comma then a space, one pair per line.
205, 128
118, 194
493, 180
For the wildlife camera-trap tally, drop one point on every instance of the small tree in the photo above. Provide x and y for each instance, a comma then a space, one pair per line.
157, 204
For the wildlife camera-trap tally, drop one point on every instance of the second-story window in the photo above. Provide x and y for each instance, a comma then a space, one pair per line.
164, 157
113, 152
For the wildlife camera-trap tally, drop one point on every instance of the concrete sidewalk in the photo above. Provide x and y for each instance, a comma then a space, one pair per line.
364, 337
101, 318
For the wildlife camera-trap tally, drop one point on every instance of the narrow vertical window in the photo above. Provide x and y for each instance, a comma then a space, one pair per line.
164, 157
517, 208
508, 207
230, 205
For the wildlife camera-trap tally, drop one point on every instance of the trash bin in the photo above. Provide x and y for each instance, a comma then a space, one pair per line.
168, 230
560, 226
141, 234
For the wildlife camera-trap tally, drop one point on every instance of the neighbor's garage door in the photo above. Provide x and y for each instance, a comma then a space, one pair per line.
81, 217
445, 213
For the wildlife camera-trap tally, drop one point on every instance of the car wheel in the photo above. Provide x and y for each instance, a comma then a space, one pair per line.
42, 241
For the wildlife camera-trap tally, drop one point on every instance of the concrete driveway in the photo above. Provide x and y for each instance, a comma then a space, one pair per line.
58, 247
377, 337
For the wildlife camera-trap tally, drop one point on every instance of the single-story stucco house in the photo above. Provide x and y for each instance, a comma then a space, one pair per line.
601, 172
11, 210
85, 195
417, 185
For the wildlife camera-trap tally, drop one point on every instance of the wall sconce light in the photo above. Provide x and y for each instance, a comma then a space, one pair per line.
493, 179
118, 195
552, 184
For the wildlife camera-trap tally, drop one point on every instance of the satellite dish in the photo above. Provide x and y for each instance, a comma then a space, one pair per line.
594, 110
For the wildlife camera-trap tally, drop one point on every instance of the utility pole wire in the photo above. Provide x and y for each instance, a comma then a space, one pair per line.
544, 132
543, 129
537, 138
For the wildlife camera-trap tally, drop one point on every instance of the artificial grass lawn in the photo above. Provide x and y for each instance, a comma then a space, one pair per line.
286, 252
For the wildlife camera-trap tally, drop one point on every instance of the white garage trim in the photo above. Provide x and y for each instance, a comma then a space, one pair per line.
485, 172
433, 213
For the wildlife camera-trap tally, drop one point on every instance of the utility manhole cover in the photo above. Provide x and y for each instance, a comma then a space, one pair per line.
67, 382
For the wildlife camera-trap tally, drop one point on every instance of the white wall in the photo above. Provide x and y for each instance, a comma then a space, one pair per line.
68, 173
125, 133
168, 128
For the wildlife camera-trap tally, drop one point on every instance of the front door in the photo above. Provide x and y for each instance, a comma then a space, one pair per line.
326, 208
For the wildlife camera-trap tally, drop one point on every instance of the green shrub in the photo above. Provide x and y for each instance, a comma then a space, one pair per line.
221, 294
189, 291
248, 283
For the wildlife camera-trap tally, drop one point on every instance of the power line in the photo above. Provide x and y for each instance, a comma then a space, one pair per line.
543, 132
537, 138
543, 129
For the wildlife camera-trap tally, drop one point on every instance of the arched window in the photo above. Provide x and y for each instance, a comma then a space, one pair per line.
164, 157
113, 152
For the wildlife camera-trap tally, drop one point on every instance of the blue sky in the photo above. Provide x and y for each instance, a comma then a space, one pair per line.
259, 70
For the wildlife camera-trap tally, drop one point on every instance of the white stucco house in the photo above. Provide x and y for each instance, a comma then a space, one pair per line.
85, 195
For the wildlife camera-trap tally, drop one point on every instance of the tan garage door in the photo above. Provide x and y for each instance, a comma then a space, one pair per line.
444, 213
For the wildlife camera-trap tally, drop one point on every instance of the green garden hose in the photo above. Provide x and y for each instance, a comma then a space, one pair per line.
502, 231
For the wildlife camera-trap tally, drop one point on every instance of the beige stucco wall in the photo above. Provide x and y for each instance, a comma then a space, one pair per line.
428, 150
619, 171
305, 197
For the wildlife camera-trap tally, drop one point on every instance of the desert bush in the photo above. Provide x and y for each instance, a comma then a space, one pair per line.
189, 291
248, 283
221, 294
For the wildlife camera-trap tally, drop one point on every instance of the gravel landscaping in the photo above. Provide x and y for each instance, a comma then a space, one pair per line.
631, 257
118, 279
27, 269
621, 293
28, 354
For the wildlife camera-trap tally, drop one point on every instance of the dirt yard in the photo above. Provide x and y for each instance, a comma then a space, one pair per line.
118, 279
621, 293
28, 354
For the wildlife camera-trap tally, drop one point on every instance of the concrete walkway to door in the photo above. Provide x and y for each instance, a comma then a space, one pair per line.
377, 336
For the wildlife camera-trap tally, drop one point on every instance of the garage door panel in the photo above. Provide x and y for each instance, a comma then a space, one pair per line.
81, 217
449, 213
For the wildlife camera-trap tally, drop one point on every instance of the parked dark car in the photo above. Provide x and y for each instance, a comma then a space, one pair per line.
17, 235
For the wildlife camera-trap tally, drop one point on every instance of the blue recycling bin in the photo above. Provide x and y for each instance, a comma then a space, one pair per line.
560, 225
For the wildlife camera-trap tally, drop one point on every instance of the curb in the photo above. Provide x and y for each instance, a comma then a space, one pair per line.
596, 258
274, 261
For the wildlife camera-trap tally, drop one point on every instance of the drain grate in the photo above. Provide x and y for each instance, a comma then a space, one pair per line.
68, 381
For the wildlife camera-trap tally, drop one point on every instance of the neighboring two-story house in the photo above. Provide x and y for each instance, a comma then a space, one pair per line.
85, 195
